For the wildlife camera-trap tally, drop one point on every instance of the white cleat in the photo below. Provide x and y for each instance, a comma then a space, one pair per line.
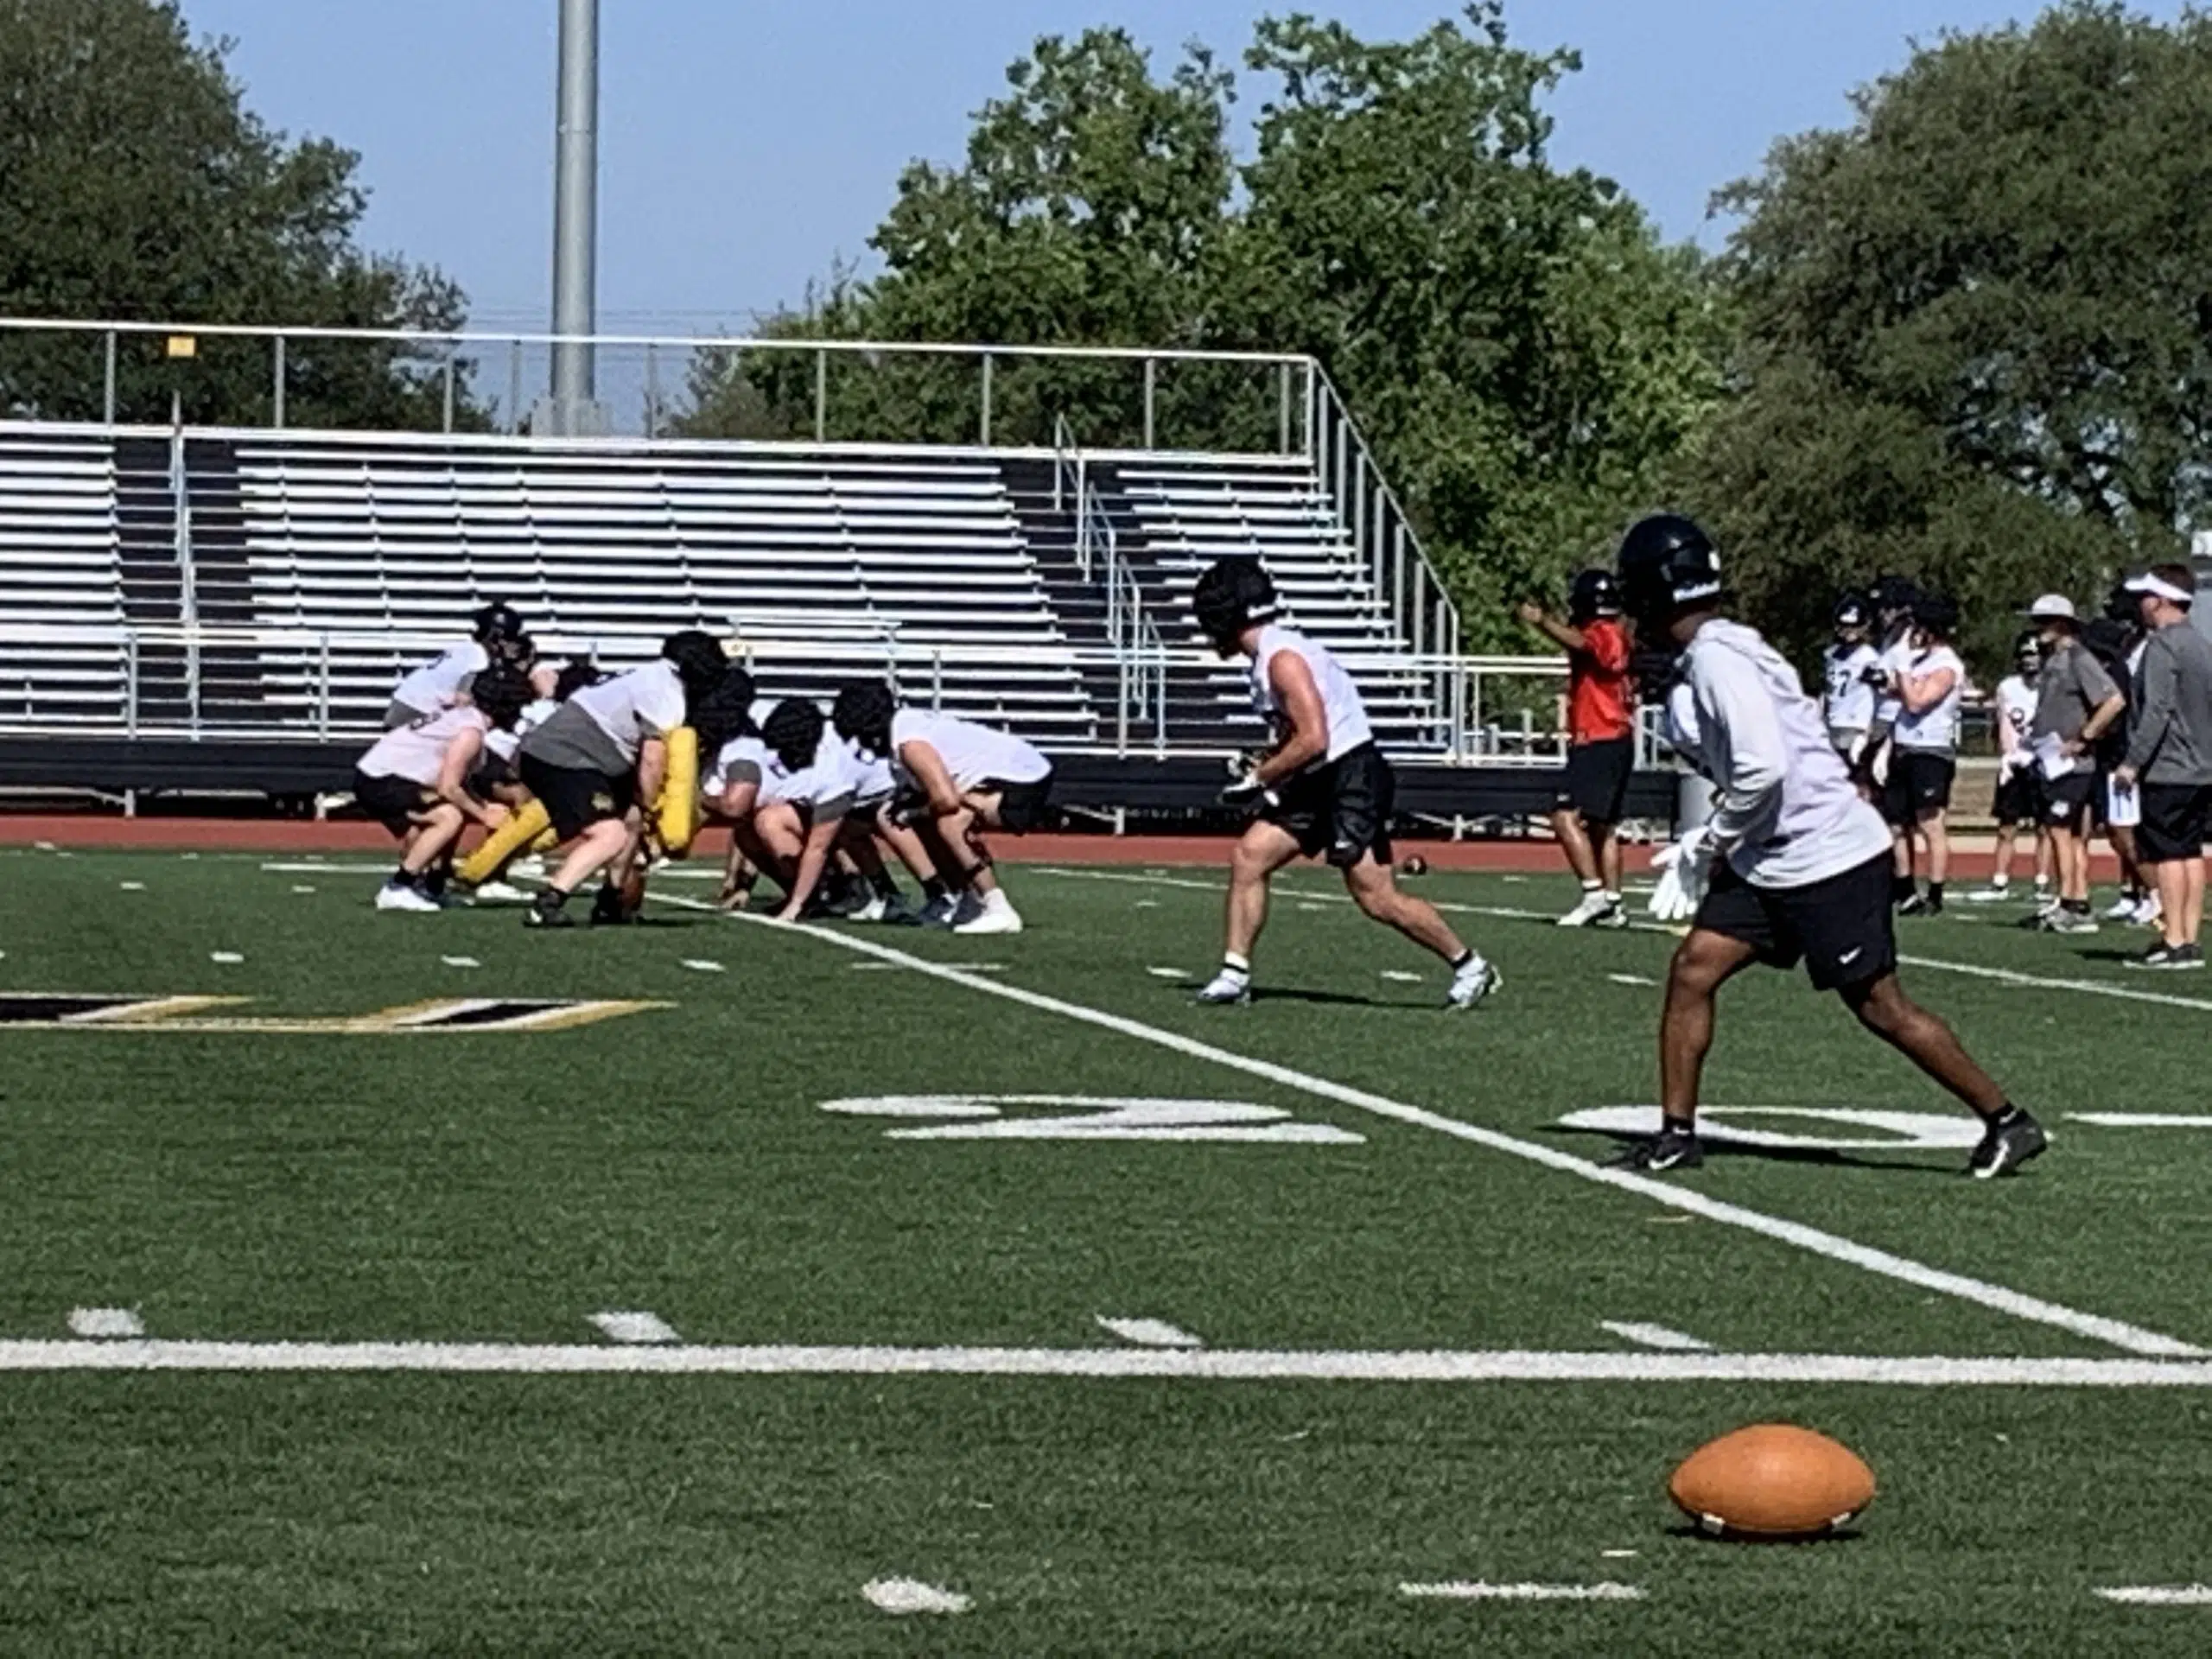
2147, 913
1474, 983
1227, 988
874, 910
2124, 908
393, 896
1596, 910
500, 893
994, 914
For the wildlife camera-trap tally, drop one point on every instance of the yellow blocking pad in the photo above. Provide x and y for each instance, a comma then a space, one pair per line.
678, 812
522, 830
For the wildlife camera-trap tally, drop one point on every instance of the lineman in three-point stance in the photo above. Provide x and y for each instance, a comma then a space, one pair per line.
1324, 788
1794, 866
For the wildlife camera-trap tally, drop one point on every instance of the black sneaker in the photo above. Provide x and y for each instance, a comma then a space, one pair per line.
1918, 905
2011, 1142
2160, 954
1671, 1148
548, 909
607, 908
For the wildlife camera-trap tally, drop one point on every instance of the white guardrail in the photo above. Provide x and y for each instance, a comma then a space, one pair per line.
214, 682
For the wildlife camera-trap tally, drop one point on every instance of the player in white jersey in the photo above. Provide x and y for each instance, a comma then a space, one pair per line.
1924, 749
1794, 865
1893, 598
1323, 789
2019, 793
785, 793
957, 778
415, 781
497, 635
601, 760
1850, 667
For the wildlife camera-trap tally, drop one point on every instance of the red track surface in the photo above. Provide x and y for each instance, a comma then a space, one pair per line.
290, 836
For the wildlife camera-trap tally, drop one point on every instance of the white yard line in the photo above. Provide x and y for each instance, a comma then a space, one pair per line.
2160, 1595
1507, 913
1150, 1333
2097, 1328
1655, 1336
2139, 1121
1466, 1591
1171, 1364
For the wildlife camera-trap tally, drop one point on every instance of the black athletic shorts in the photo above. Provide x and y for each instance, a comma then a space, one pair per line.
1919, 782
2019, 795
2065, 799
1595, 785
2176, 822
1022, 807
1841, 929
576, 798
1340, 809
392, 802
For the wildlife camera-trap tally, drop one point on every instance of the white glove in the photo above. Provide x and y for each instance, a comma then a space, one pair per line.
1687, 871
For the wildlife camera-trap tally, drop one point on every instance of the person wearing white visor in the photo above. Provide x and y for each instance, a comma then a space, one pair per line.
2169, 759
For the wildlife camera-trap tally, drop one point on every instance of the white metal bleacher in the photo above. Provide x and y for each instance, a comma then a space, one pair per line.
625, 541
60, 568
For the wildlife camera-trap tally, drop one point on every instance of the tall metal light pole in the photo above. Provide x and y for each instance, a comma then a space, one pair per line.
574, 409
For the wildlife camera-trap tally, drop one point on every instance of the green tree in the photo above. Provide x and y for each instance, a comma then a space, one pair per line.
1978, 325
134, 185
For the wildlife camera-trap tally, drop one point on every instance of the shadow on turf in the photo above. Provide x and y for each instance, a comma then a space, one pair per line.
1716, 1149
1850, 1535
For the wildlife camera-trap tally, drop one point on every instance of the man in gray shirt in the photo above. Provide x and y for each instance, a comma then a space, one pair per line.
2076, 702
2169, 754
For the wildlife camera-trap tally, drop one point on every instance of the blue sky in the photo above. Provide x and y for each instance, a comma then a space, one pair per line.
743, 146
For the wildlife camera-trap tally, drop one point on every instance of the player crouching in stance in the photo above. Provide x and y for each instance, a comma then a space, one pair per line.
1324, 788
785, 791
956, 780
603, 756
415, 783
1795, 865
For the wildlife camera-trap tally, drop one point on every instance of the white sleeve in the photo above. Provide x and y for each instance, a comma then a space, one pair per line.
663, 710
1743, 744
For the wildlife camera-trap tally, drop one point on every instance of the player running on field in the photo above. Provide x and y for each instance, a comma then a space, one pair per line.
415, 781
602, 758
1601, 742
497, 635
957, 778
1794, 866
1324, 789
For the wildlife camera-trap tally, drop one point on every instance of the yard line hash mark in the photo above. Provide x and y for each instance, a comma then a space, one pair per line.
637, 1327
105, 1324
1169, 1364
1463, 1591
1655, 1336
1149, 1333
907, 1596
2117, 1333
2159, 1595
701, 965
461, 962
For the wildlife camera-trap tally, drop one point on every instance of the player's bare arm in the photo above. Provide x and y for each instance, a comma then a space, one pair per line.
1306, 737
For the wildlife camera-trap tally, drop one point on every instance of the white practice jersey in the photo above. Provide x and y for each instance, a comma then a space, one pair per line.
645, 702
972, 753
418, 753
1850, 702
1894, 660
1934, 730
2016, 719
1341, 703
534, 714
829, 779
872, 778
1787, 814
437, 684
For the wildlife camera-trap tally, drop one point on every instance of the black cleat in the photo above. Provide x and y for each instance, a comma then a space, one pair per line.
1918, 905
1671, 1148
607, 908
2013, 1140
548, 909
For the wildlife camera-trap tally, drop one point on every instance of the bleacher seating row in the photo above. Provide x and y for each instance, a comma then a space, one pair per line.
328, 561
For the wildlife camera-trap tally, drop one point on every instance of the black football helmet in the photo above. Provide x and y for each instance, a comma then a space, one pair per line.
699, 659
1665, 562
1937, 613
497, 624
793, 732
2027, 650
1892, 597
1591, 594
1853, 612
1235, 594
501, 692
862, 715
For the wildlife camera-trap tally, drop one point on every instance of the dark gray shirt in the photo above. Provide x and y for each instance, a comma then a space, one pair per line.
2072, 686
2171, 742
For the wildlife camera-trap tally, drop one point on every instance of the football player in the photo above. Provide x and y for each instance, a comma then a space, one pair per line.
602, 759
957, 779
496, 635
2019, 780
1794, 865
1601, 742
785, 793
1323, 790
416, 782
1850, 667
1893, 598
1924, 749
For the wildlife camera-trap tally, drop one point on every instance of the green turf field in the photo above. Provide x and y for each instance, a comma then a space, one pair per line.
889, 1356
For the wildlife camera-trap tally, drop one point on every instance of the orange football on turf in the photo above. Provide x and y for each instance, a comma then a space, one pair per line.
1772, 1481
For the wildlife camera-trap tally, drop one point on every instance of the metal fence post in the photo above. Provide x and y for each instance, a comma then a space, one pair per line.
277, 385
987, 401
514, 388
820, 396
1151, 402
937, 679
451, 358
1282, 377
322, 688
108, 401
130, 682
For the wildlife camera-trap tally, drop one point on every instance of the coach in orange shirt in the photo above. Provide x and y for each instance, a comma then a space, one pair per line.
1601, 742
